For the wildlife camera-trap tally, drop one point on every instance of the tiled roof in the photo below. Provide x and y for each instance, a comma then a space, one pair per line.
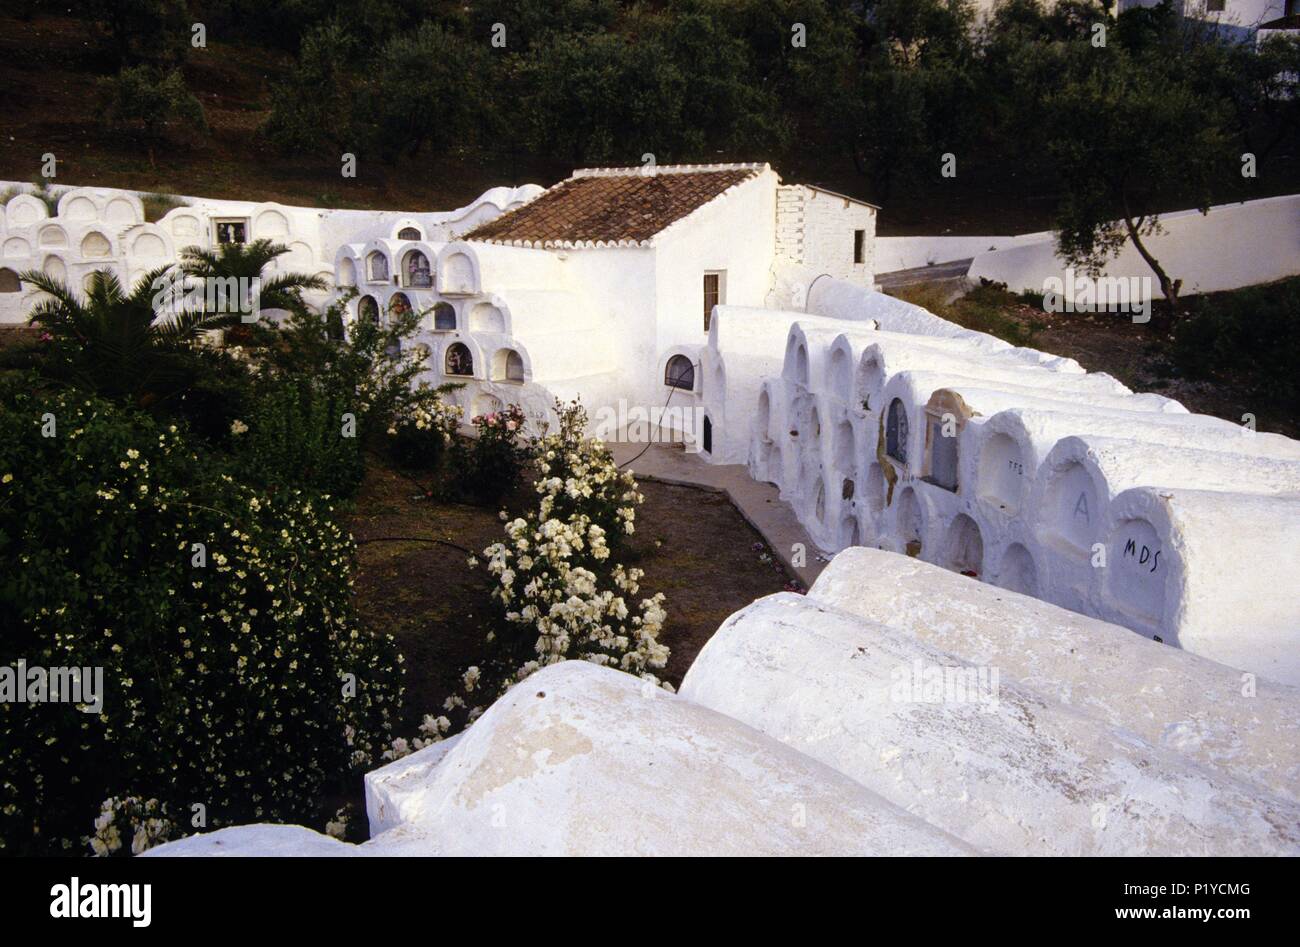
612, 206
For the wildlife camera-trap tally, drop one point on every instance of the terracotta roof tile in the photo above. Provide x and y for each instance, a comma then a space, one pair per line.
621, 205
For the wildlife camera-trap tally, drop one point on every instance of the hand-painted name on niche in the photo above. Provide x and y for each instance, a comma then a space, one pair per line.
1144, 556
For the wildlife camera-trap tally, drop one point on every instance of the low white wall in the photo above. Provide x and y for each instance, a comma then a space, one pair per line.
907, 253
1232, 246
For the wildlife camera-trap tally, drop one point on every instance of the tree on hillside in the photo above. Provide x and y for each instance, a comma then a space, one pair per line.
915, 95
601, 98
311, 110
142, 30
1132, 134
144, 98
424, 91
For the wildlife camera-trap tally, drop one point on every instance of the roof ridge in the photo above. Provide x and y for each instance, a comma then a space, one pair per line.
652, 170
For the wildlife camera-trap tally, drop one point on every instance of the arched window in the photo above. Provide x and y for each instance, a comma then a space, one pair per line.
377, 267
9, 282
896, 431
416, 267
409, 233
399, 305
368, 310
680, 373
444, 318
459, 360
507, 365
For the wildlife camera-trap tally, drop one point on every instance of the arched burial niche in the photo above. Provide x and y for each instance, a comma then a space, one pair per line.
9, 282
377, 267
1001, 477
945, 419
910, 520
1136, 568
347, 273
95, 246
81, 208
1072, 511
849, 532
963, 547
870, 380
764, 417
680, 373
485, 317
1017, 572
368, 310
801, 374
896, 431
399, 305
52, 235
457, 277
484, 404
459, 361
444, 318
53, 268
507, 365
844, 449
416, 271
841, 372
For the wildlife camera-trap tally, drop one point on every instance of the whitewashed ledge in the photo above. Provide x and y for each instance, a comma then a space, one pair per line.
581, 760
791, 736
1166, 696
987, 759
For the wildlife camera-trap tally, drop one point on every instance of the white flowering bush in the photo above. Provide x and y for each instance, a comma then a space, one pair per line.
559, 592
235, 674
130, 825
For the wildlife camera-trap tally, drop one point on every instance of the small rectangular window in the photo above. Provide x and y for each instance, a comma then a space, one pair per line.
231, 230
1215, 6
712, 295
859, 245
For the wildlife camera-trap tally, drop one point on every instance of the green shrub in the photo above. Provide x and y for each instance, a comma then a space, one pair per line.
491, 462
224, 663
1255, 331
156, 206
988, 307
301, 433
322, 401
421, 436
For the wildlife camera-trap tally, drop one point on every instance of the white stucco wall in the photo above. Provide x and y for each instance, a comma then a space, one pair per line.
1234, 245
816, 228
